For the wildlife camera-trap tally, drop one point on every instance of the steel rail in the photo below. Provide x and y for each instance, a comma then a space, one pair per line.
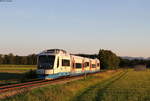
19, 84
38, 83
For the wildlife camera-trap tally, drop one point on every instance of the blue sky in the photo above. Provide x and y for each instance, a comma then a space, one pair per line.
78, 26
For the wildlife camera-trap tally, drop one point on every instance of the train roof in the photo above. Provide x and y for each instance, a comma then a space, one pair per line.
53, 51
63, 52
91, 56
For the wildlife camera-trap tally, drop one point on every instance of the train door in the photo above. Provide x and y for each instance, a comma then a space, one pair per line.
83, 66
87, 65
73, 65
65, 66
57, 65
90, 65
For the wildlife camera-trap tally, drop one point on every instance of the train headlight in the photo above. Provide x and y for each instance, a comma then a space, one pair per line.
40, 71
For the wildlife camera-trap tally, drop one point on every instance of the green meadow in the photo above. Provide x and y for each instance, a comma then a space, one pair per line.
66, 91
13, 73
17, 67
120, 85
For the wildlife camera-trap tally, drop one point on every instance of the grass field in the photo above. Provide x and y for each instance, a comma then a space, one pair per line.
64, 92
17, 67
130, 86
122, 85
9, 72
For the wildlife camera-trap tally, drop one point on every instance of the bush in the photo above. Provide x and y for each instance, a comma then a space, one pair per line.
31, 74
108, 59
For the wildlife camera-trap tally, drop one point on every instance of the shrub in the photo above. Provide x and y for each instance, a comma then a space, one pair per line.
31, 74
108, 59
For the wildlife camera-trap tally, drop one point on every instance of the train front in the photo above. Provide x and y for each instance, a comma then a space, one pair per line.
45, 66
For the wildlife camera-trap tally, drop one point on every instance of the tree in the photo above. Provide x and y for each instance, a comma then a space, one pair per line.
32, 59
124, 62
24, 60
148, 63
17, 60
133, 62
1, 59
11, 59
109, 60
6, 59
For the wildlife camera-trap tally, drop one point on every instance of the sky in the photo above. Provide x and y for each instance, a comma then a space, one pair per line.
78, 26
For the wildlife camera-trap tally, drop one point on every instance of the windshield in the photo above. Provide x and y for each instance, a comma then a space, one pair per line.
46, 62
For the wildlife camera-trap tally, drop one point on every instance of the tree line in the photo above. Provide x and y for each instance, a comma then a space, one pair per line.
18, 60
108, 59
133, 62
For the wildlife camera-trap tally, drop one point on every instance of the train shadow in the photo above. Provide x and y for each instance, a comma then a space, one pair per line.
7, 76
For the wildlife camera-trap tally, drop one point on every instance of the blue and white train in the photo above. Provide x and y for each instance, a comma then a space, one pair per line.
55, 63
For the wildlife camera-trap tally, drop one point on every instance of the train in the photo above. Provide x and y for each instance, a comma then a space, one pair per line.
56, 63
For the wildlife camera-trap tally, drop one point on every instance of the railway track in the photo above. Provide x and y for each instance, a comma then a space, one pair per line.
19, 85
34, 83
10, 90
14, 81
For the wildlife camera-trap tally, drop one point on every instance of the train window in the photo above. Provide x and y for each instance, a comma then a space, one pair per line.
98, 65
46, 62
86, 64
78, 65
65, 62
93, 65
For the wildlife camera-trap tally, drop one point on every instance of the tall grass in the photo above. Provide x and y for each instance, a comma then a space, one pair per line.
134, 86
131, 86
128, 85
62, 92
